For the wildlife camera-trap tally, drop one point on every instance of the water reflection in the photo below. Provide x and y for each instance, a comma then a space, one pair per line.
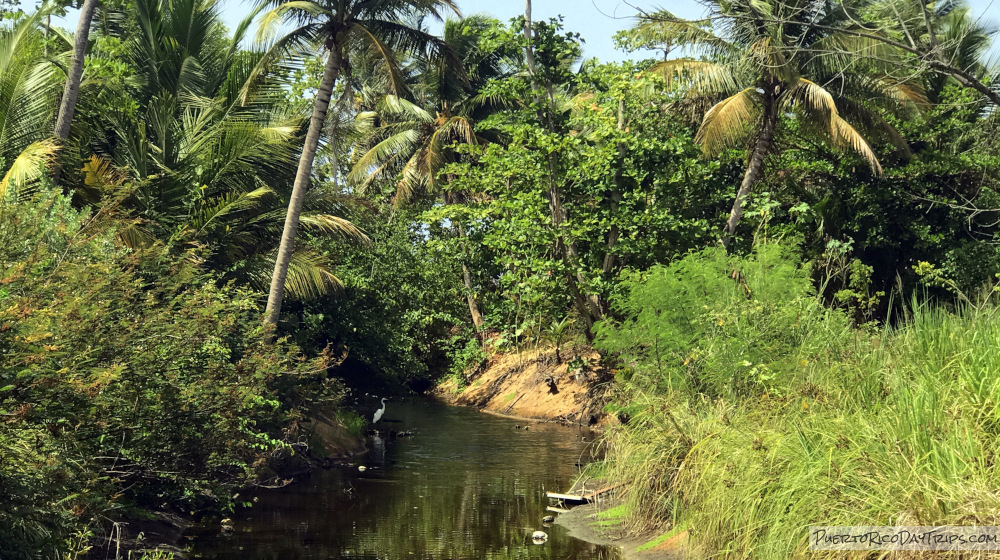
466, 485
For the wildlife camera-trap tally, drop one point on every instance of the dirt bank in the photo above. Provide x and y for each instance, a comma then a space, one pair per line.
533, 384
582, 523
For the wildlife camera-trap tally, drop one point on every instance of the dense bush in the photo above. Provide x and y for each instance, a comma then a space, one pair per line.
126, 379
401, 309
753, 411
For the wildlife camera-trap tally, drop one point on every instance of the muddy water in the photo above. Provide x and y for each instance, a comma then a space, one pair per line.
466, 485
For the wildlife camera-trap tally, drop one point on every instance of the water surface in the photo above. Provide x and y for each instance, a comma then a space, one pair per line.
466, 485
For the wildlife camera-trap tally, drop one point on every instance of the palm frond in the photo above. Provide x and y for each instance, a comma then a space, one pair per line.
330, 224
663, 29
700, 76
217, 209
728, 122
29, 165
370, 166
817, 103
395, 106
845, 136
387, 56
303, 11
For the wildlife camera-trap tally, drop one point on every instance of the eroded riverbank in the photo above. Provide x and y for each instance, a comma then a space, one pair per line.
534, 384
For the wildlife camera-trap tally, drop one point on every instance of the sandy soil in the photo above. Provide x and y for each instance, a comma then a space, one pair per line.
531, 384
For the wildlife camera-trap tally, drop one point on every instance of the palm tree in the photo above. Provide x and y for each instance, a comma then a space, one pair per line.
412, 141
75, 71
338, 27
28, 89
203, 161
943, 37
766, 58
949, 32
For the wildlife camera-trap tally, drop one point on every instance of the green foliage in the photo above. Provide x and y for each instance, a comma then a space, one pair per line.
128, 379
132, 372
717, 325
643, 180
354, 422
401, 307
752, 405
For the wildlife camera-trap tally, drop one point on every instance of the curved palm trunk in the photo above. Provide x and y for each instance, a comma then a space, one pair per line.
755, 167
302, 176
73, 75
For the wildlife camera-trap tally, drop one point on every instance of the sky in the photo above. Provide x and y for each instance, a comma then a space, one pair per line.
596, 20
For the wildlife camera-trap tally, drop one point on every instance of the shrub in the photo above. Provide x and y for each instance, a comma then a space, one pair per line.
126, 379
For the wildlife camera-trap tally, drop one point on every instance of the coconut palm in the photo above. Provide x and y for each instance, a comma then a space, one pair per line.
949, 30
412, 140
204, 160
338, 28
29, 86
945, 33
766, 58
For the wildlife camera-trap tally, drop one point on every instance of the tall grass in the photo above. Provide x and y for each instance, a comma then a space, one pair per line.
755, 412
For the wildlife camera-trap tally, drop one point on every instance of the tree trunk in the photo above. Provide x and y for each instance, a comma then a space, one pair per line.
755, 167
477, 317
616, 197
589, 306
302, 177
529, 52
73, 76
335, 155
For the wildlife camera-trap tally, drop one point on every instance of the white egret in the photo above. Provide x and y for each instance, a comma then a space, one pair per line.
379, 412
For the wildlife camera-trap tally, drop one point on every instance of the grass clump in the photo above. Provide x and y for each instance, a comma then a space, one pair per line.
754, 411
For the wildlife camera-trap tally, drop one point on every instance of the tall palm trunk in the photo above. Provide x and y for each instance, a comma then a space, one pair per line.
302, 177
755, 167
529, 52
73, 75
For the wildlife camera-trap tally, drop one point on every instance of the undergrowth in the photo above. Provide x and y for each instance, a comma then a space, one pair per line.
754, 411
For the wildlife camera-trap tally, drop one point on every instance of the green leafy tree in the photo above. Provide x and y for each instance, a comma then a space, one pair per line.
128, 378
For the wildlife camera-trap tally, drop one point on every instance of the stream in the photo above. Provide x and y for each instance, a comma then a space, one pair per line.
465, 485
